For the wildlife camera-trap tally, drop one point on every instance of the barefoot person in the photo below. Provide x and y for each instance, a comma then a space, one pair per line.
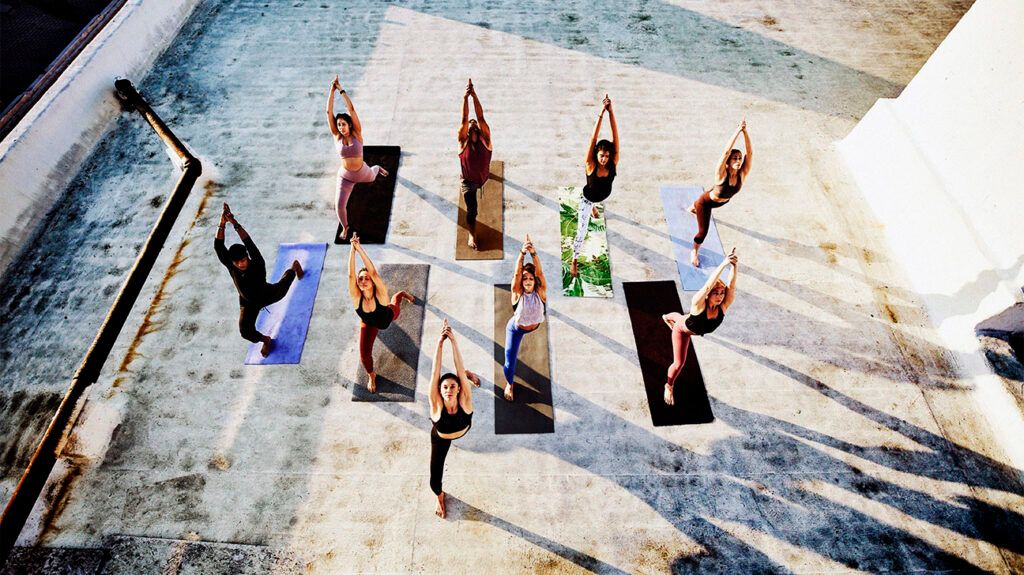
348, 139
529, 300
601, 160
732, 171
249, 273
474, 156
707, 310
370, 298
451, 410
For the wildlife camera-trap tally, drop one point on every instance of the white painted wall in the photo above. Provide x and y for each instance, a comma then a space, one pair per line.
41, 155
939, 167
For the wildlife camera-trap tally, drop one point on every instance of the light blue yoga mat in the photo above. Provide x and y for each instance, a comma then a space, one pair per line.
287, 321
682, 226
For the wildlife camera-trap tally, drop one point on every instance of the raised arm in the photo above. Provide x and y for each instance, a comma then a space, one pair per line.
593, 142
750, 151
434, 396
478, 108
254, 253
353, 288
465, 392
730, 290
722, 171
517, 277
378, 282
697, 303
218, 238
541, 287
330, 110
615, 129
357, 128
464, 126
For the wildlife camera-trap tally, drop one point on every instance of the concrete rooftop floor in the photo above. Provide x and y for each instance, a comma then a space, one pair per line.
843, 441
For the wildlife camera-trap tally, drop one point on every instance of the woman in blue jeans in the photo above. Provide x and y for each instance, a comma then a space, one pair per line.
529, 300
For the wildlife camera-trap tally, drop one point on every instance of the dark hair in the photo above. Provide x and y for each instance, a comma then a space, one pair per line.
347, 118
363, 269
533, 271
237, 252
449, 375
733, 153
602, 146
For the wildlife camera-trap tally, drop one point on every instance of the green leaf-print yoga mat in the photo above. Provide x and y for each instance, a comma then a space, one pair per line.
594, 266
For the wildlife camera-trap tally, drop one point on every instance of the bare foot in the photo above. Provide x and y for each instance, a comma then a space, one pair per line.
440, 511
669, 398
572, 270
508, 392
694, 258
383, 172
593, 213
344, 233
692, 209
671, 324
473, 377
372, 385
472, 241
268, 344
297, 268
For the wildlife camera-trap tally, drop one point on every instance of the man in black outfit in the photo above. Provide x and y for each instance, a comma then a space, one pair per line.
249, 272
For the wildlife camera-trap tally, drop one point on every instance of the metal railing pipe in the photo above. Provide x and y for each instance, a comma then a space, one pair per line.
45, 457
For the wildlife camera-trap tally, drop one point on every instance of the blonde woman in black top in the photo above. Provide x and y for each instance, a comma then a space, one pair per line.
451, 410
707, 310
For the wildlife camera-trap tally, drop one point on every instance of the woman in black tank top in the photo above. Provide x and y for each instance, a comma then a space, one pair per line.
451, 410
370, 298
601, 161
707, 310
732, 171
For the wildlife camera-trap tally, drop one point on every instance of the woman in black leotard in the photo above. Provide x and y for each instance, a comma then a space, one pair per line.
451, 410
370, 298
707, 310
602, 159
729, 178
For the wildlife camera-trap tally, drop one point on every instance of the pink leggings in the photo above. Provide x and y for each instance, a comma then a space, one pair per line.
368, 334
347, 180
680, 347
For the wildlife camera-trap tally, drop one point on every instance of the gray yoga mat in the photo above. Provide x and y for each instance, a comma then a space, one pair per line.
490, 227
531, 411
397, 349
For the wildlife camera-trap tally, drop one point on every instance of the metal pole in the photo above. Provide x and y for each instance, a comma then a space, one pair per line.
34, 479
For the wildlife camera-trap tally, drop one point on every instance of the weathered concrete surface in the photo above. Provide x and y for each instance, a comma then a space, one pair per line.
844, 439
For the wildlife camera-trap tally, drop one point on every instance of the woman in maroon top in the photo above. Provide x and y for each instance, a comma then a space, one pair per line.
729, 178
707, 310
474, 156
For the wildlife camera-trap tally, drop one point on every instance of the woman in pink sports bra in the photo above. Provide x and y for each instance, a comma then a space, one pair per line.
348, 139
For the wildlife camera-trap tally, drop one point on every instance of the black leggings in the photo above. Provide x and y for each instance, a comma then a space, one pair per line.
704, 205
469, 194
439, 447
251, 310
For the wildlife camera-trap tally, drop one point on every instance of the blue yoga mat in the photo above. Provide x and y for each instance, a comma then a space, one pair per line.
682, 226
287, 321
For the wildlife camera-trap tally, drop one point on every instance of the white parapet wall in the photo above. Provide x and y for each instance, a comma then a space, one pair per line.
45, 150
939, 166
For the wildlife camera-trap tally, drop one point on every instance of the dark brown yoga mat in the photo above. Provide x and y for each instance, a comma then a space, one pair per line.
647, 302
490, 228
531, 410
396, 352
369, 205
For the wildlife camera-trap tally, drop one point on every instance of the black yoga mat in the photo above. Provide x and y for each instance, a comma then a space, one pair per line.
369, 205
531, 410
647, 302
397, 349
490, 228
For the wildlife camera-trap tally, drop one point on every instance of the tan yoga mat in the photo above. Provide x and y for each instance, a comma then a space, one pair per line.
531, 411
490, 227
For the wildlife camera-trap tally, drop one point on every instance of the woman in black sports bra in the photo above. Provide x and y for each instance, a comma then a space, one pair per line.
370, 298
732, 172
451, 410
602, 158
707, 310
